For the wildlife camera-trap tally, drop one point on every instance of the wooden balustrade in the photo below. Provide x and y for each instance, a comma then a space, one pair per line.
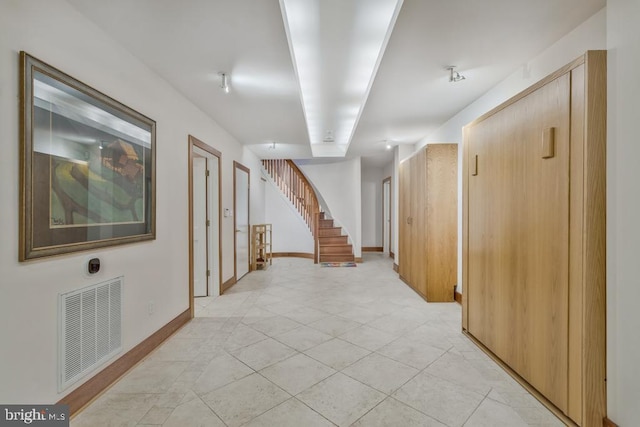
293, 184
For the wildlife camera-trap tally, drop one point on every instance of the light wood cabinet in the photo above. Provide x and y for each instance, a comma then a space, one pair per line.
428, 221
533, 237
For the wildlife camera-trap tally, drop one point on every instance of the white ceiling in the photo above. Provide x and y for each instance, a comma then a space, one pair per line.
189, 42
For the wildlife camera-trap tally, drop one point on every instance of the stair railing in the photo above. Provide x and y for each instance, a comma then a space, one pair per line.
292, 182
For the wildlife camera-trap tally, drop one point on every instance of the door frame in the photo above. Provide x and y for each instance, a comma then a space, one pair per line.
193, 143
238, 165
387, 179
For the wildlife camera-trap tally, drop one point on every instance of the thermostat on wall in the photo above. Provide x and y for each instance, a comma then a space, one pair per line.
93, 266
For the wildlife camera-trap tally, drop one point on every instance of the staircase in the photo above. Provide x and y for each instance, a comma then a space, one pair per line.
334, 247
330, 245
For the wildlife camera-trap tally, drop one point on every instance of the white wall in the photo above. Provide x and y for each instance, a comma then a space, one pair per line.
339, 184
290, 231
590, 35
623, 211
56, 33
256, 186
372, 206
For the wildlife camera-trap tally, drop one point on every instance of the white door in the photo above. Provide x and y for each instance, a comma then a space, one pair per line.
386, 218
200, 238
213, 165
241, 219
205, 219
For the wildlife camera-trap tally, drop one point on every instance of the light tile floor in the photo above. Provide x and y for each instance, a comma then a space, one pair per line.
300, 345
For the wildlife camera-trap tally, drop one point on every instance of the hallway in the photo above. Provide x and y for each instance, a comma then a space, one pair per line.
302, 345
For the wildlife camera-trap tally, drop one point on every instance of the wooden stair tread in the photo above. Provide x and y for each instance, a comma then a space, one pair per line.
335, 249
327, 240
329, 233
333, 245
339, 251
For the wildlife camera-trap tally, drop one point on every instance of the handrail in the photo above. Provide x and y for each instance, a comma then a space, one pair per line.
292, 182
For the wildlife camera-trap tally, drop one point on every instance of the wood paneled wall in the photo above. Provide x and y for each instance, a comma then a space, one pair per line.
534, 236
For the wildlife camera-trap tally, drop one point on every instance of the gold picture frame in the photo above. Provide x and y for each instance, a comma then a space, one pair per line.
87, 166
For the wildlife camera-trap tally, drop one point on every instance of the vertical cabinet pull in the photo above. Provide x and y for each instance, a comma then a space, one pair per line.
474, 165
549, 143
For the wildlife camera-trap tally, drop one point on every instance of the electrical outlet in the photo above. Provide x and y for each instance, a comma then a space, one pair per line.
151, 307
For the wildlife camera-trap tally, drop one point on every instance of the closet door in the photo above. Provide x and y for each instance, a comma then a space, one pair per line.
441, 222
404, 226
418, 249
518, 241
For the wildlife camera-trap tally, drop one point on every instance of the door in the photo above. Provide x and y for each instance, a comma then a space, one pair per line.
518, 240
200, 237
241, 219
386, 215
204, 220
441, 222
418, 245
404, 222
213, 224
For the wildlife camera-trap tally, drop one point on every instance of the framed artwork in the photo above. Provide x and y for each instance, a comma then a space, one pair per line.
87, 166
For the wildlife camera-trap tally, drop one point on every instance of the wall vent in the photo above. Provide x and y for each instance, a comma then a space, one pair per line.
90, 329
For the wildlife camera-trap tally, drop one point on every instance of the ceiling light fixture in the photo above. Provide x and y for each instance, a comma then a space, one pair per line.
224, 82
336, 47
454, 76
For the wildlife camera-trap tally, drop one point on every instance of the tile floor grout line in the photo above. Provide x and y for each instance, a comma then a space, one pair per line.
210, 408
365, 414
312, 290
474, 411
294, 397
321, 362
411, 379
285, 391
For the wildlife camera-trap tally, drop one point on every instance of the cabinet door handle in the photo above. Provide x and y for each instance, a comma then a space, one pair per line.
549, 143
474, 166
